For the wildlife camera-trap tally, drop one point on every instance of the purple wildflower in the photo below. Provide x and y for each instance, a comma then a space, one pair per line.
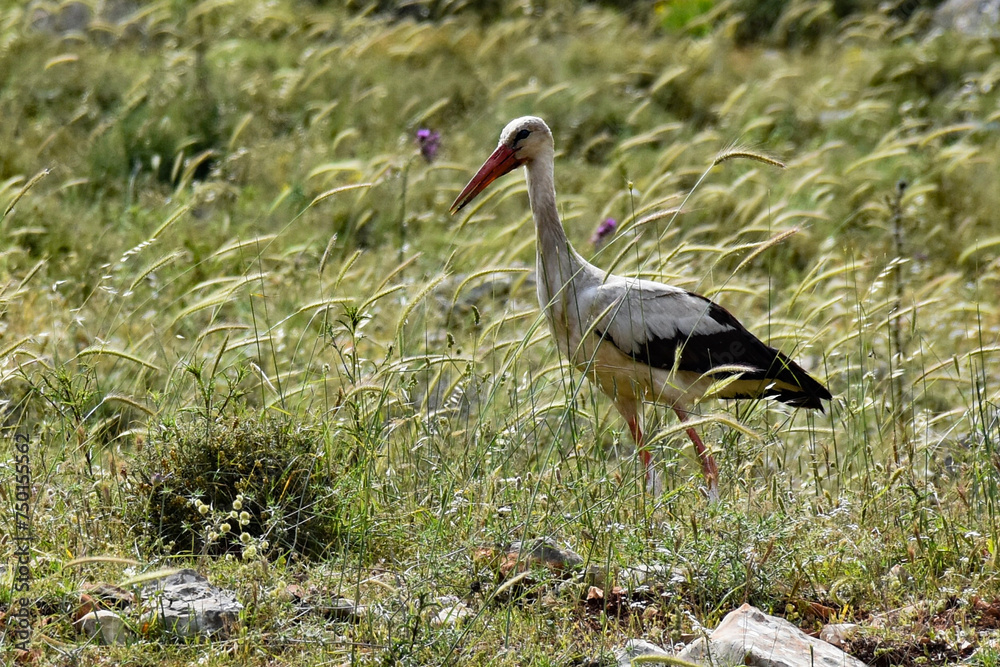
603, 231
429, 141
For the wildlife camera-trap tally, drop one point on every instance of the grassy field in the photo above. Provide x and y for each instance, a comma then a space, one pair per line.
226, 268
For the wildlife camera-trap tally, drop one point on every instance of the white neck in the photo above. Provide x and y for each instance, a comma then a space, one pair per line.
558, 262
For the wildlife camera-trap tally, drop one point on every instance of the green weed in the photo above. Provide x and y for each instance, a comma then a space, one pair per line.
227, 278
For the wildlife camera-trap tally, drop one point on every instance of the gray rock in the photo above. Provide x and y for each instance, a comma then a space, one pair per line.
341, 609
110, 595
748, 636
543, 551
186, 605
107, 627
635, 648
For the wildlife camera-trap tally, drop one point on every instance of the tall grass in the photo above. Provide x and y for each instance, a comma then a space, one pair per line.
219, 234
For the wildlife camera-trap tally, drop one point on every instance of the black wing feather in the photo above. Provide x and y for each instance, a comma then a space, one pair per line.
701, 353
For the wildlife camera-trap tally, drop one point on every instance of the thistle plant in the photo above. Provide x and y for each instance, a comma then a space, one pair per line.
226, 531
428, 141
604, 231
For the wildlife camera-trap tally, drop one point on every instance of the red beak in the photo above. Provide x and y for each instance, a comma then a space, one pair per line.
501, 162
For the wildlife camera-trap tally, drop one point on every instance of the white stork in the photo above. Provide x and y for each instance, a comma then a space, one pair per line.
638, 340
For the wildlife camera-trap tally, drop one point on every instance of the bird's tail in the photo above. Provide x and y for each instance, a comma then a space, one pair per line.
794, 386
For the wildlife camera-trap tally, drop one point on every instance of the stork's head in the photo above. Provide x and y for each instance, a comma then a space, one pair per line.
524, 140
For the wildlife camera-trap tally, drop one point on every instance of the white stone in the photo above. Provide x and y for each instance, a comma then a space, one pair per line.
748, 636
647, 575
838, 634
635, 648
105, 626
451, 616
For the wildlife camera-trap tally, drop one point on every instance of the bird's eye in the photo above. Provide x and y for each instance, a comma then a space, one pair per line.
521, 135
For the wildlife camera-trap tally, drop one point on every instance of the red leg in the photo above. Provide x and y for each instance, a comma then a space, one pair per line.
653, 483
708, 467
640, 443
